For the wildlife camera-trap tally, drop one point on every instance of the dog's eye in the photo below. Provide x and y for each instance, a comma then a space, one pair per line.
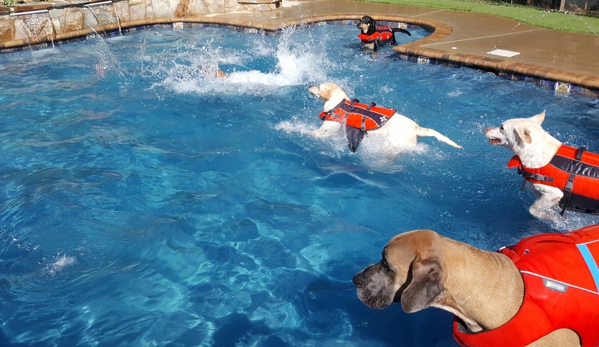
386, 265
501, 128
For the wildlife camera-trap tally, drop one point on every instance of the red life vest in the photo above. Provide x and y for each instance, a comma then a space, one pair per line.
561, 281
360, 116
574, 171
382, 33
358, 119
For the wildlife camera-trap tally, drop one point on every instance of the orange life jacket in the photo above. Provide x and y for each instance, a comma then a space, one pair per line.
358, 119
383, 34
561, 283
359, 116
574, 171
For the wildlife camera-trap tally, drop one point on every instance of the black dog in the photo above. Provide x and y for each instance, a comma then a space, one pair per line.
374, 36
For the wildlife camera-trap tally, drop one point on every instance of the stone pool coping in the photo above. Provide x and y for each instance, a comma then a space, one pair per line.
549, 78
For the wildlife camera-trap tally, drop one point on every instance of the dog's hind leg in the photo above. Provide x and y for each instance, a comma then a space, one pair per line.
430, 132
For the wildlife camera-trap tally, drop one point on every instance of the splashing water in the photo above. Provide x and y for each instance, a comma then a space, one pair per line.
289, 63
160, 205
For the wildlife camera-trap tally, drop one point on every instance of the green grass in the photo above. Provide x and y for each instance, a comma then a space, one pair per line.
524, 14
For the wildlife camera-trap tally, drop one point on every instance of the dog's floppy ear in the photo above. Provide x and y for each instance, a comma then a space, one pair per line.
523, 134
372, 28
325, 93
426, 285
539, 118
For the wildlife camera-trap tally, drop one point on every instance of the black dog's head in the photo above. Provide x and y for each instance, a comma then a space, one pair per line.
367, 25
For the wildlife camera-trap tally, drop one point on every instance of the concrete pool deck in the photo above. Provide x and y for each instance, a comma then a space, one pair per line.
462, 39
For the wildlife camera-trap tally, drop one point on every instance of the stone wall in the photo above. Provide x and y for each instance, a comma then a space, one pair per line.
22, 25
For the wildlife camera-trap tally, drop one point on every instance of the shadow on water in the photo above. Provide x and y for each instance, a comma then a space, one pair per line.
3, 340
320, 302
236, 327
330, 314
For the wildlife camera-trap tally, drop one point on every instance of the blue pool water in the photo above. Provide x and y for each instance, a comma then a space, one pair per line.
145, 203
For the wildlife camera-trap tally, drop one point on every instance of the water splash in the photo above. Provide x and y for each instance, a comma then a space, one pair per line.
107, 61
291, 63
296, 64
61, 262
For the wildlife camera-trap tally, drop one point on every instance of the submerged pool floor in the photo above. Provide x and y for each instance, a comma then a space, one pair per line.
146, 203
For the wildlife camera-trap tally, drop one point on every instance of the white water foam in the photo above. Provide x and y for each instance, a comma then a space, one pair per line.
296, 63
296, 126
60, 263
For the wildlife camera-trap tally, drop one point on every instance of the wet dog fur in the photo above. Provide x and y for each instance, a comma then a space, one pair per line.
526, 138
421, 269
399, 133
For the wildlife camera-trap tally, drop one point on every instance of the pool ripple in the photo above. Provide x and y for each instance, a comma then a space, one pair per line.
156, 205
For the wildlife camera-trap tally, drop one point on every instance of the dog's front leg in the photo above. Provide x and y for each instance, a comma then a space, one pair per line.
548, 197
327, 129
370, 45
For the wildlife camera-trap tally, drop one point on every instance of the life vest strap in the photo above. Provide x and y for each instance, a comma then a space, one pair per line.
533, 176
579, 152
568, 191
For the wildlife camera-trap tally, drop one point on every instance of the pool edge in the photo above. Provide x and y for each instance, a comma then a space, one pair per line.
560, 81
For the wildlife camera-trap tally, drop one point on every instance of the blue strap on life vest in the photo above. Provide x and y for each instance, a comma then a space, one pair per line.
590, 261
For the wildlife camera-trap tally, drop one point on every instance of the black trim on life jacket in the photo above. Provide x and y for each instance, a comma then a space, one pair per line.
579, 203
358, 119
354, 137
377, 117
575, 166
572, 170
533, 176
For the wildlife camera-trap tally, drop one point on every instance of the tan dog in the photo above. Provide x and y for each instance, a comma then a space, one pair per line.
536, 149
216, 73
398, 134
422, 269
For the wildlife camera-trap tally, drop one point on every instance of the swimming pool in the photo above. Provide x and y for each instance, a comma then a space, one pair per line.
145, 203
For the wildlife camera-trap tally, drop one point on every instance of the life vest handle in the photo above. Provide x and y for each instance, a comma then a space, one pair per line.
579, 152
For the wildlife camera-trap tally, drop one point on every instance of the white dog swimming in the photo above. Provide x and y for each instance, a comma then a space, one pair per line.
360, 121
559, 175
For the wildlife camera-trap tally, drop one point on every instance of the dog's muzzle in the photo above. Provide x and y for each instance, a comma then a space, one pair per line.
314, 90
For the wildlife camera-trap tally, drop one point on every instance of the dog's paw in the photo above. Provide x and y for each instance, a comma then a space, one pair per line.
549, 215
320, 134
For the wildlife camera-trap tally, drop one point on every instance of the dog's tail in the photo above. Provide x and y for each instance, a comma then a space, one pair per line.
430, 132
399, 30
